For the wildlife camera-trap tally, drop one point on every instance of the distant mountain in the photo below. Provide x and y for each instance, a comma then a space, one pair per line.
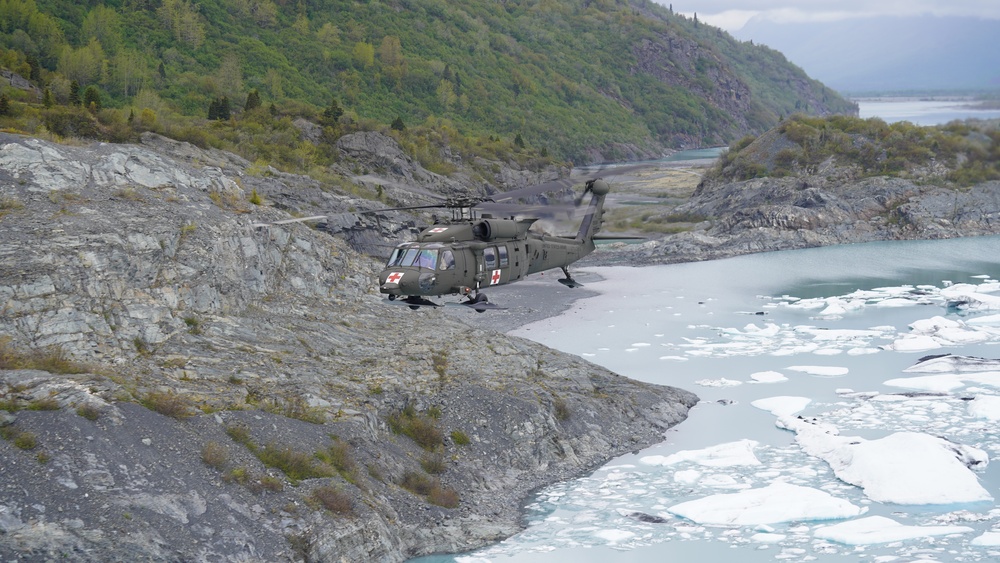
888, 53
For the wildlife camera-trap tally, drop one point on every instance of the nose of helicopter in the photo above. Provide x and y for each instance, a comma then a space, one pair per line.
405, 281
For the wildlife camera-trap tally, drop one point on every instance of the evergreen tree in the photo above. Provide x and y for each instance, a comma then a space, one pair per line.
224, 110
74, 93
253, 101
519, 141
213, 109
47, 99
398, 125
4, 105
92, 98
162, 70
331, 115
273, 110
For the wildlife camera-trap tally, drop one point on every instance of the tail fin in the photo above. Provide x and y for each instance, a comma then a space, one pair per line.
591, 223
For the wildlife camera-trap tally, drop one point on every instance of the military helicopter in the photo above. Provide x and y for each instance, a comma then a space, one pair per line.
477, 250
472, 253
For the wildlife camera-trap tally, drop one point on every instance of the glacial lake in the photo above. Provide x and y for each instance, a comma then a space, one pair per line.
824, 334
923, 112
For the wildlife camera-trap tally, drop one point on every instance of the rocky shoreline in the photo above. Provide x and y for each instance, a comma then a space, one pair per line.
181, 384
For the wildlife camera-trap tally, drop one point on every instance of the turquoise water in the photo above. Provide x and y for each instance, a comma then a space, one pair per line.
923, 112
699, 326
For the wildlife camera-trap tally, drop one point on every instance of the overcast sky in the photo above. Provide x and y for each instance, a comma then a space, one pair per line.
731, 15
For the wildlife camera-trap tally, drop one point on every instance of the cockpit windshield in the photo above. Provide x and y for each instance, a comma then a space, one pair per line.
414, 256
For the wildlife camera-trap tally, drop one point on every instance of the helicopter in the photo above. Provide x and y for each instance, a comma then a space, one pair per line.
470, 253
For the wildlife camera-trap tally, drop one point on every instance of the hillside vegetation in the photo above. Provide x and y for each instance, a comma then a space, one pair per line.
961, 153
584, 80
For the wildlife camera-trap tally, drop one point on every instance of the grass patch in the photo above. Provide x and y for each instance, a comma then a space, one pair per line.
339, 457
46, 404
51, 359
422, 429
296, 408
460, 438
433, 464
168, 404
560, 409
20, 438
334, 500
430, 488
295, 464
88, 411
214, 455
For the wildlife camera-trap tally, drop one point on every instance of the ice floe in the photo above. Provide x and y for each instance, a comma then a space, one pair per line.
902, 468
879, 529
775, 503
723, 455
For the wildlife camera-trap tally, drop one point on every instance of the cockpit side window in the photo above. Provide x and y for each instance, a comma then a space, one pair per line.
490, 257
397, 253
447, 260
427, 258
503, 255
408, 257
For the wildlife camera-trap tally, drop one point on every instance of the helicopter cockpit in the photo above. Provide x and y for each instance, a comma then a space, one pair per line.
429, 256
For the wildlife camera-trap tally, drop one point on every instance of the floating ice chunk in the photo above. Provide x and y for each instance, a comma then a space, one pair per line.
879, 529
722, 455
929, 383
914, 343
968, 296
827, 371
985, 406
767, 537
902, 468
773, 504
723, 482
641, 344
896, 302
687, 476
827, 351
783, 405
933, 324
675, 358
862, 351
988, 539
985, 320
614, 536
768, 377
718, 382
949, 363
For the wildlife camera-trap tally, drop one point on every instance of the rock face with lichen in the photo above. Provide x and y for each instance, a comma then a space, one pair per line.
231, 391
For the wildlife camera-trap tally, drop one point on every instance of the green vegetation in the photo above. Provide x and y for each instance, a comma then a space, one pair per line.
22, 439
511, 80
460, 438
51, 359
168, 403
960, 153
88, 411
422, 429
333, 499
430, 488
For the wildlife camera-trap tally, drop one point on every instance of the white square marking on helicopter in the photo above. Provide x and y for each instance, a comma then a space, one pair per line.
394, 277
438, 230
495, 279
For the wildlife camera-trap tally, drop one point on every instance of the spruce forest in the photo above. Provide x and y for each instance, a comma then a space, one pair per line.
547, 80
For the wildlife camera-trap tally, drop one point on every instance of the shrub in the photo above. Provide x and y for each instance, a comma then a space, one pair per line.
417, 483
334, 500
339, 457
88, 411
51, 359
443, 496
433, 464
240, 433
460, 438
46, 404
214, 455
168, 404
421, 429
25, 440
295, 464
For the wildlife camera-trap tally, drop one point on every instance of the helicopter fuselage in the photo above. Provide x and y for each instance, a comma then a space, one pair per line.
466, 257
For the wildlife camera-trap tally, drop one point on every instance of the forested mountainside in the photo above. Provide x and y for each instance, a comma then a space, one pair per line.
580, 80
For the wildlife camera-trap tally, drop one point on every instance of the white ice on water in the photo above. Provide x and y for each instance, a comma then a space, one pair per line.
923, 446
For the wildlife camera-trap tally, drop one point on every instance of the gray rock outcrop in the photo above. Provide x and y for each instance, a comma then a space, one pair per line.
219, 358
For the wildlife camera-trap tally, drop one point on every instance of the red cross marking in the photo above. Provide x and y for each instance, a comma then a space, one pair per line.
496, 277
394, 277
438, 230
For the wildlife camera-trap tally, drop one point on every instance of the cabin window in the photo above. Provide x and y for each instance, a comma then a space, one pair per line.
426, 258
447, 260
490, 257
503, 256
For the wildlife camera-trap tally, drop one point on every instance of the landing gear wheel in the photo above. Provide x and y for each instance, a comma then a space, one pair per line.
392, 297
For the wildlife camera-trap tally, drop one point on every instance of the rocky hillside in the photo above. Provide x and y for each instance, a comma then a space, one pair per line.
177, 383
813, 182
